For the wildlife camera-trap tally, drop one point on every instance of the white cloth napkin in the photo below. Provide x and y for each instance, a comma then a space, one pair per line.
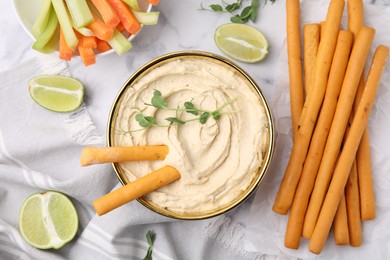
39, 151
376, 233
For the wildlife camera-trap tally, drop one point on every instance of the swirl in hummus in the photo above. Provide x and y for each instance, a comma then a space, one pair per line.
217, 160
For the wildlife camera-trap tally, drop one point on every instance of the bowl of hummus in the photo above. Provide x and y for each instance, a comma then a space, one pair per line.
215, 121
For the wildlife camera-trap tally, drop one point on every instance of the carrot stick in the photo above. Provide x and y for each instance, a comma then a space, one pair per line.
103, 46
93, 155
136, 189
347, 157
100, 29
340, 224
87, 55
107, 12
311, 40
88, 41
120, 27
363, 157
355, 67
126, 16
65, 53
303, 136
313, 159
353, 208
294, 61
153, 2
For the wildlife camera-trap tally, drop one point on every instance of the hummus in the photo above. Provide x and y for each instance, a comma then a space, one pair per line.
217, 160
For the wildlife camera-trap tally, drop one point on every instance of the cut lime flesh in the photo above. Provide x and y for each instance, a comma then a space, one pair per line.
48, 220
57, 93
241, 42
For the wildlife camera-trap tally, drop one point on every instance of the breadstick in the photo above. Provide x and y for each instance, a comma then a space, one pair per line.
341, 173
136, 189
340, 224
302, 138
366, 183
294, 60
313, 159
93, 155
311, 40
353, 208
363, 157
356, 63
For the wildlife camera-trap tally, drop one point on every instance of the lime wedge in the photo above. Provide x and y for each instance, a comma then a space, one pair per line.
241, 42
56, 93
48, 220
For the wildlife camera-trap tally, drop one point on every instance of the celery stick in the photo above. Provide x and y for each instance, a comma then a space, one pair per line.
83, 30
80, 12
119, 43
42, 19
48, 33
133, 4
66, 25
149, 18
52, 45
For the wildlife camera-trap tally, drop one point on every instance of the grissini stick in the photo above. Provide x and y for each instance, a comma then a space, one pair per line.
363, 156
93, 155
355, 67
347, 157
294, 60
317, 145
313, 104
136, 189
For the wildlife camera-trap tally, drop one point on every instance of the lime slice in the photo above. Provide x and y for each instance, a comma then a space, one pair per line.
56, 93
241, 42
48, 220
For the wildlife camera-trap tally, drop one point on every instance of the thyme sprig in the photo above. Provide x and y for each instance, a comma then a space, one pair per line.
159, 102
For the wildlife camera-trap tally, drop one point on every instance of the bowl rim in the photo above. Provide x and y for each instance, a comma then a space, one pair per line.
22, 23
268, 153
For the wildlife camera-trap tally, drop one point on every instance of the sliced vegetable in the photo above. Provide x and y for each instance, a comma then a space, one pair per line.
65, 23
120, 43
149, 18
126, 16
103, 46
65, 53
42, 19
86, 53
133, 4
81, 15
101, 30
107, 12
153, 2
48, 33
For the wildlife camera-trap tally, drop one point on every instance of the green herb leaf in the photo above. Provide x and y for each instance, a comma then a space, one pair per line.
145, 121
190, 108
255, 7
175, 120
236, 19
216, 8
232, 7
150, 237
246, 12
204, 117
216, 114
157, 100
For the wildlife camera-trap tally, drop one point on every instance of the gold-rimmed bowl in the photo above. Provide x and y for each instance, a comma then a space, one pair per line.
239, 72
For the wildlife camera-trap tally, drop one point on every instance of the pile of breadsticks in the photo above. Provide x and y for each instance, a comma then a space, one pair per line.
328, 180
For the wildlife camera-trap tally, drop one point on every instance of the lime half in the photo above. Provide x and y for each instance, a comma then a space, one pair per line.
48, 220
241, 42
56, 93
